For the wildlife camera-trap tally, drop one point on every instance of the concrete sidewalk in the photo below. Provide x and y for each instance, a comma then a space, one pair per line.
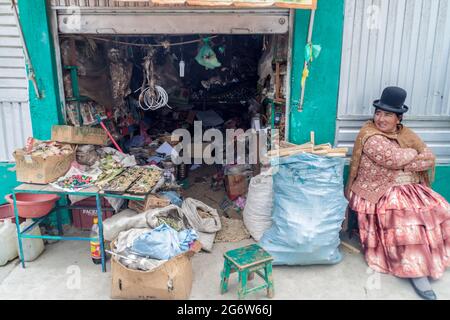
52, 276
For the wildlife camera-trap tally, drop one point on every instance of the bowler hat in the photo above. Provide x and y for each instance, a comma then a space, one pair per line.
392, 100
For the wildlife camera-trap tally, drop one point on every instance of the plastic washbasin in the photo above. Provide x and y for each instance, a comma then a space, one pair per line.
6, 211
33, 205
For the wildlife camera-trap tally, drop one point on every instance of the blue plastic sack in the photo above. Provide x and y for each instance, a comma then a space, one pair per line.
309, 207
163, 242
173, 197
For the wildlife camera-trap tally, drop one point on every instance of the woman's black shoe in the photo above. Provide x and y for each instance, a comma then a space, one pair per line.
427, 295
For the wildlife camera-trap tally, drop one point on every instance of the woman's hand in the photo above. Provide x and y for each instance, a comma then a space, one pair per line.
422, 162
387, 154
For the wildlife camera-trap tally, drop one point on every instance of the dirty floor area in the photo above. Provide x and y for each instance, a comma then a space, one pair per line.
65, 271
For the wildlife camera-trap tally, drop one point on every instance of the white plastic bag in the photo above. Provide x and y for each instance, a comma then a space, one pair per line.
32, 248
8, 239
171, 211
123, 221
206, 227
258, 208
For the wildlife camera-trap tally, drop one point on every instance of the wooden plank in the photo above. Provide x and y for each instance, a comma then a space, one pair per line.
323, 146
350, 247
302, 147
338, 152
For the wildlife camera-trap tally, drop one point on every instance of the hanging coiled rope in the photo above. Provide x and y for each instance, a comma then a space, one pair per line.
149, 100
152, 97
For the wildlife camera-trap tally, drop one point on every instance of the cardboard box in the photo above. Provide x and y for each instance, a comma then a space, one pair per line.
79, 135
170, 281
35, 169
236, 185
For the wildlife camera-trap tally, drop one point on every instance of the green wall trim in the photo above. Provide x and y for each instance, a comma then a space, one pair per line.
441, 181
36, 29
322, 85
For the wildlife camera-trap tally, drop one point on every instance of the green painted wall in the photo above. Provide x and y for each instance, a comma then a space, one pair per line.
36, 29
441, 181
322, 85
46, 111
7, 180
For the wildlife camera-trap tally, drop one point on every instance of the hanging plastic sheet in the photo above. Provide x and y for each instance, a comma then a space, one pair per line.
309, 208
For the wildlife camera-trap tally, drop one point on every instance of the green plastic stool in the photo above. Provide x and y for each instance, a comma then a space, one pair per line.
247, 261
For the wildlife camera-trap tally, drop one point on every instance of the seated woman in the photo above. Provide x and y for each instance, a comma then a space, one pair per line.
404, 226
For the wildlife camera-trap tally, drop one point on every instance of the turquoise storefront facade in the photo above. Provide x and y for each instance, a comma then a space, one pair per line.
321, 95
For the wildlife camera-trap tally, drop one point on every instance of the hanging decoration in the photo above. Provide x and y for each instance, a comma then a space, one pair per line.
206, 56
311, 52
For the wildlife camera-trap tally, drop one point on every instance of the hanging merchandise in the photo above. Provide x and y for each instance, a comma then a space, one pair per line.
182, 64
120, 73
206, 56
311, 52
152, 97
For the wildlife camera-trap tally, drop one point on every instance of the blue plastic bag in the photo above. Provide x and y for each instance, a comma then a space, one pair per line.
309, 207
173, 197
163, 242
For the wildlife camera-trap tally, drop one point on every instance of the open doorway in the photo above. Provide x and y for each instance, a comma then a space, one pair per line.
225, 81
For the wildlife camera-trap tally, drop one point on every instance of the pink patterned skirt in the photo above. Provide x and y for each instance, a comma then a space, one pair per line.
407, 233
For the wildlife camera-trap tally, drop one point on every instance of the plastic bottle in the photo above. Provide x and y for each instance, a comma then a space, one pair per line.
32, 248
95, 244
8, 247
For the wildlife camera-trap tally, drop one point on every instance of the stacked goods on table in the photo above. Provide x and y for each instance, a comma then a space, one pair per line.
148, 179
135, 180
43, 161
123, 181
76, 181
110, 169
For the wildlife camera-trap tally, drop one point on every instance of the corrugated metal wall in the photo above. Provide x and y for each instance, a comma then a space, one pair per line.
397, 42
15, 120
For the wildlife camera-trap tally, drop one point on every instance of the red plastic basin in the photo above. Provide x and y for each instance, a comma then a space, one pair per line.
6, 211
33, 205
